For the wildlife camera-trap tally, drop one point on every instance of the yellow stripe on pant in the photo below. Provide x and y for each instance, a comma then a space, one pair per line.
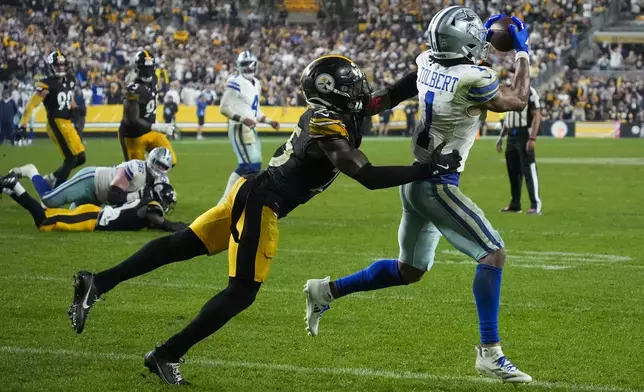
82, 218
62, 132
213, 229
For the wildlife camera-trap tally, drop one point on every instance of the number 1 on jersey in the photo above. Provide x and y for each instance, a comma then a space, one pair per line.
423, 136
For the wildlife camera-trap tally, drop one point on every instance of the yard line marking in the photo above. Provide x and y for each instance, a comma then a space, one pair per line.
374, 295
282, 367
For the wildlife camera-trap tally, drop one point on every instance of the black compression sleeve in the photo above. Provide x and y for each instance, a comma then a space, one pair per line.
173, 226
379, 177
404, 88
116, 195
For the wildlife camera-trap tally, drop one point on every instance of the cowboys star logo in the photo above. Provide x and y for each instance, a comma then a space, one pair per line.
324, 83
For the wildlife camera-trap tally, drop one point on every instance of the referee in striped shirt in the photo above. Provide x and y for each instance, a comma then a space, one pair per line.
522, 129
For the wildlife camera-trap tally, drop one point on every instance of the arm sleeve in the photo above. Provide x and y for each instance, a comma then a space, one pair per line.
116, 195
379, 177
227, 103
390, 97
33, 103
484, 86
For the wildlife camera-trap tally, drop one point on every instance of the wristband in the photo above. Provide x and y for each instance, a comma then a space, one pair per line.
534, 139
522, 55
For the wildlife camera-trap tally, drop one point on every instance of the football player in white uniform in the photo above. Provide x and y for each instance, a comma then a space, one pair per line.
240, 104
103, 185
454, 95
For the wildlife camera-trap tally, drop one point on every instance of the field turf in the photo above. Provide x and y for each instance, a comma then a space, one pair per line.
572, 300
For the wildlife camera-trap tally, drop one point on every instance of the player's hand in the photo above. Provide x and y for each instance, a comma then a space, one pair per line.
20, 134
529, 147
444, 163
520, 35
249, 122
167, 129
499, 145
488, 24
275, 125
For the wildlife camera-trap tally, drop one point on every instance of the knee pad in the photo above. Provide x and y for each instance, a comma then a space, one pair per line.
242, 292
80, 159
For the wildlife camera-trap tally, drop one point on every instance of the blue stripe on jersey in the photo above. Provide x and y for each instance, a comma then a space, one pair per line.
234, 87
483, 99
423, 138
128, 173
485, 90
450, 179
234, 83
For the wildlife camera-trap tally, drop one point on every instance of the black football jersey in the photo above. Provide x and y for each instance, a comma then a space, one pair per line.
299, 168
146, 96
125, 217
58, 103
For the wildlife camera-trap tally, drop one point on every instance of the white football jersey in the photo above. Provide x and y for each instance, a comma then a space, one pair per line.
448, 97
135, 171
243, 95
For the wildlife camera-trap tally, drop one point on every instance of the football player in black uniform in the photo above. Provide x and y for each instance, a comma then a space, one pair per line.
324, 143
56, 92
139, 132
148, 212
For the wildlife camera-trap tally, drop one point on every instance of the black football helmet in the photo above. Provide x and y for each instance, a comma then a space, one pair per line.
336, 83
57, 64
145, 65
164, 194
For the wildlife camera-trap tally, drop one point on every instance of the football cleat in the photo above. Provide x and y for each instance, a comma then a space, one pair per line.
511, 209
318, 297
533, 211
8, 182
85, 295
27, 170
167, 371
491, 362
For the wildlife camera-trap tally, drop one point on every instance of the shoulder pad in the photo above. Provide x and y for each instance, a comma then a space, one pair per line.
132, 91
326, 123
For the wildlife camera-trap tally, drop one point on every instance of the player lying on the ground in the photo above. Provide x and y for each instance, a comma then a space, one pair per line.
114, 185
454, 95
131, 216
55, 92
324, 143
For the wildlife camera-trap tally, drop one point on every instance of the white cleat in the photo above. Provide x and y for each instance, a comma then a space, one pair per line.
318, 297
491, 362
27, 170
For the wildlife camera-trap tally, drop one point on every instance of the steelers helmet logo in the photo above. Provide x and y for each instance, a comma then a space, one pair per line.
324, 83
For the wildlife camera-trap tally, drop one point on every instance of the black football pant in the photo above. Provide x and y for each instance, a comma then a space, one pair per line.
521, 164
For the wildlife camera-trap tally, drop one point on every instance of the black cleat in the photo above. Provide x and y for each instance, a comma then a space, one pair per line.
85, 294
8, 182
511, 209
167, 371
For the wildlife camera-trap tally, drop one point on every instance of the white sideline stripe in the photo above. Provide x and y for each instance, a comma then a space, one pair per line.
278, 367
593, 161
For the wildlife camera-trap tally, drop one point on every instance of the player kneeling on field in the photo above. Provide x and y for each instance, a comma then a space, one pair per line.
148, 212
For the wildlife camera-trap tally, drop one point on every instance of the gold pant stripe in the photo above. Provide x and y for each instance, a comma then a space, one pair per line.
136, 147
62, 132
213, 229
82, 218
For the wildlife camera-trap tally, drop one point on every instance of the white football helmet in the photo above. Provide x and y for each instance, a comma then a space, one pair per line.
246, 64
159, 161
457, 32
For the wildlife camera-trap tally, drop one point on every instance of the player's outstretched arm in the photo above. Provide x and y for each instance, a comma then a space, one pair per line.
390, 97
156, 219
515, 98
35, 100
227, 108
355, 164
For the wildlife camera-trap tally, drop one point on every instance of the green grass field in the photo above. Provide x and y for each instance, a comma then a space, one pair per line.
572, 301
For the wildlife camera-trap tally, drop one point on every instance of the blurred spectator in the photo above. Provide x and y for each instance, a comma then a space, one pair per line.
8, 112
170, 109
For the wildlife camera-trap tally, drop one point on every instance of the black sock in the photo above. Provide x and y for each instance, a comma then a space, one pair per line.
215, 313
30, 204
182, 245
62, 173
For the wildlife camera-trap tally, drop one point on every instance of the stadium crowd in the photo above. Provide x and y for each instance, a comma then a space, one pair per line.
195, 43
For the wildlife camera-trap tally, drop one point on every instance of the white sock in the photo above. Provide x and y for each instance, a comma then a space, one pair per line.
231, 181
18, 189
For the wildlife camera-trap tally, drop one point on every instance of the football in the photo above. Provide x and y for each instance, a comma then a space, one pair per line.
501, 38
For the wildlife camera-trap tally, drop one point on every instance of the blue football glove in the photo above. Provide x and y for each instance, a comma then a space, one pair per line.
489, 24
520, 35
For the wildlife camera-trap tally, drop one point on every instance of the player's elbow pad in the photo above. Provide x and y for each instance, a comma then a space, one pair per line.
116, 195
